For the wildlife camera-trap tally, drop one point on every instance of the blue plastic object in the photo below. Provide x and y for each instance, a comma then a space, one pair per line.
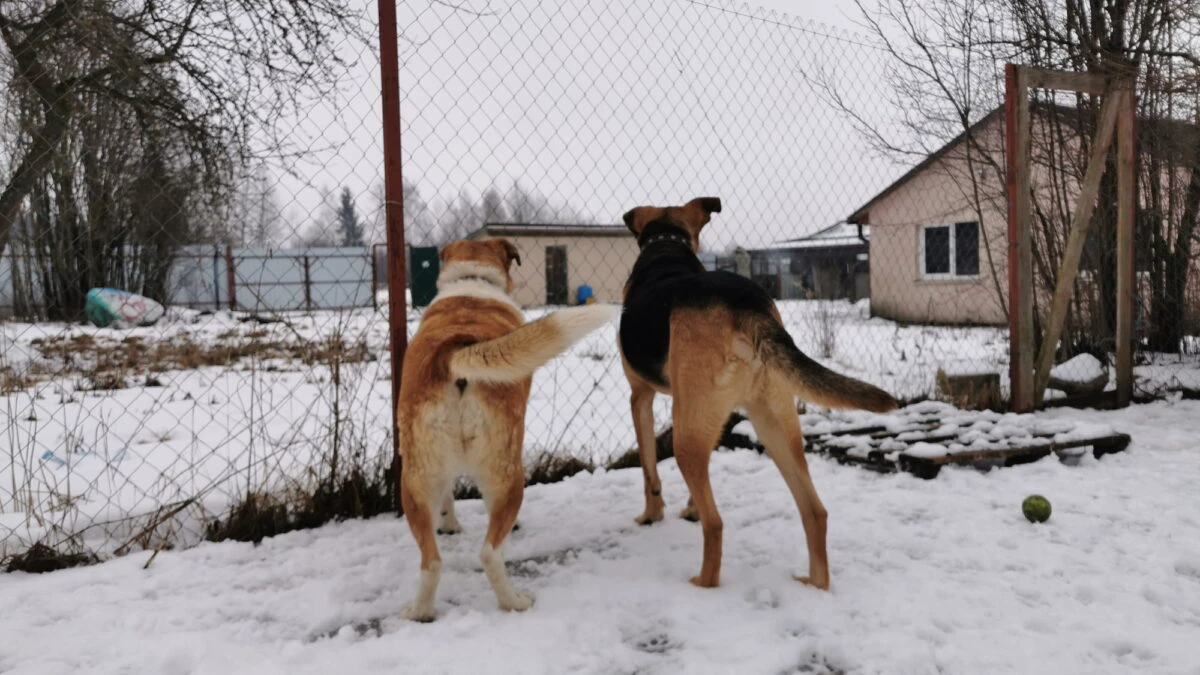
583, 294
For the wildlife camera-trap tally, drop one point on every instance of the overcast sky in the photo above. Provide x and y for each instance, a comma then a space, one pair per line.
605, 105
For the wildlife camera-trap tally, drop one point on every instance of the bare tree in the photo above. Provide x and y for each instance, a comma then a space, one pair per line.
253, 216
944, 62
202, 83
321, 231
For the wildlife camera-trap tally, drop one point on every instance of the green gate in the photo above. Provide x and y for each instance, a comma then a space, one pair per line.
423, 270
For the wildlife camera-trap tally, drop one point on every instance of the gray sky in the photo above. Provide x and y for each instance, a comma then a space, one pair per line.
607, 105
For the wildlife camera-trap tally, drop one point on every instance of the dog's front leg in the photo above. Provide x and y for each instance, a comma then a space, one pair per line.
642, 405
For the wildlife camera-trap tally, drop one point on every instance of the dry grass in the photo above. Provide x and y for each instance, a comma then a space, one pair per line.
258, 515
11, 381
41, 558
108, 364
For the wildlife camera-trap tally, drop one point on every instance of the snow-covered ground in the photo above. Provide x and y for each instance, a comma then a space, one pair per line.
941, 576
100, 466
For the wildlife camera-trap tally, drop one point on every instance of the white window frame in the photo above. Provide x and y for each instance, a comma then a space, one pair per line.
951, 275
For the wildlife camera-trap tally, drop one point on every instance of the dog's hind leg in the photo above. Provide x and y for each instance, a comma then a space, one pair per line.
503, 494
419, 495
778, 427
449, 521
642, 405
698, 423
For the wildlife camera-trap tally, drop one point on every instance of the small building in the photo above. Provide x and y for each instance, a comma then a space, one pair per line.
932, 259
557, 259
829, 264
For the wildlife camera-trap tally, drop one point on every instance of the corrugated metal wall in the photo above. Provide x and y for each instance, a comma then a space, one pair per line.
264, 280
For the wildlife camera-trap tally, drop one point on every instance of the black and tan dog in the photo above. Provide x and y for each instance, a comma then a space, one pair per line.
461, 410
714, 341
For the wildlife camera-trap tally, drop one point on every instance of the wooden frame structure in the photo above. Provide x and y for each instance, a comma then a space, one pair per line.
1028, 377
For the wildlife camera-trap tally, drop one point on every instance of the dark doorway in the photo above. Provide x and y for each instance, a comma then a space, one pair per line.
556, 275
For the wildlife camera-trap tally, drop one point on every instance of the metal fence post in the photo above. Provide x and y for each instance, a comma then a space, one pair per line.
230, 277
389, 59
307, 284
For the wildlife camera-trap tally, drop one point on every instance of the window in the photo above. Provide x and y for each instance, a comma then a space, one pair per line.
950, 251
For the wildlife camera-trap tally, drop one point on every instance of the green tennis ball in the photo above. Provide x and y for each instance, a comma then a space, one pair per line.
1036, 508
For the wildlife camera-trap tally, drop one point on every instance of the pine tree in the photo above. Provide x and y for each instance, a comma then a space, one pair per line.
349, 226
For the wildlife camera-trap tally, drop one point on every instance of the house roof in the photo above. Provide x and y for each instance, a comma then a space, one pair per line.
1172, 139
550, 230
838, 234
862, 213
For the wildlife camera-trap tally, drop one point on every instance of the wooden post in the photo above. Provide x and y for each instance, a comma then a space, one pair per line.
1080, 223
1126, 212
230, 277
389, 67
1020, 251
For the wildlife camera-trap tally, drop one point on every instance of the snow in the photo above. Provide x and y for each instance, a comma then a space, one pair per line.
1079, 368
103, 463
928, 576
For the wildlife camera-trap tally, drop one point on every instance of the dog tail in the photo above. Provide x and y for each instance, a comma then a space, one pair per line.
514, 357
814, 382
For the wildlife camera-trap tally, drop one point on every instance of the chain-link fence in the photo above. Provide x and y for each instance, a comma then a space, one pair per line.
261, 399
223, 162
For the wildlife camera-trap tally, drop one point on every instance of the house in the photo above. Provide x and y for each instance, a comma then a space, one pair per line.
557, 259
939, 233
939, 249
829, 264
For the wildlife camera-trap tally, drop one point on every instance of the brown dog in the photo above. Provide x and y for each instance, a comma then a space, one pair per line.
714, 341
467, 375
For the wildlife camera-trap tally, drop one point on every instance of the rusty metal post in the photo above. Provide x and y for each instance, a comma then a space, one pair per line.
1020, 251
393, 182
230, 277
374, 278
307, 284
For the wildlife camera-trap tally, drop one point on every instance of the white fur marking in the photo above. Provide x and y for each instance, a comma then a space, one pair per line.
455, 271
482, 281
510, 599
422, 608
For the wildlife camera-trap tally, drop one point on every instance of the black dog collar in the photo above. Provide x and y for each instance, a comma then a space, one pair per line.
677, 237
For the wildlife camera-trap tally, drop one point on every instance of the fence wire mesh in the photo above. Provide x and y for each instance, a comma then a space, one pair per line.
224, 167
238, 184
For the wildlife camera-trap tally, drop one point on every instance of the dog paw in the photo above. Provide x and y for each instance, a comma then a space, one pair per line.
690, 514
648, 518
519, 602
700, 581
808, 581
449, 529
418, 612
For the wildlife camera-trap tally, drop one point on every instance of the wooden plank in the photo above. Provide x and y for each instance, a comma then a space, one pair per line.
1020, 252
1126, 211
1088, 83
1111, 443
1080, 223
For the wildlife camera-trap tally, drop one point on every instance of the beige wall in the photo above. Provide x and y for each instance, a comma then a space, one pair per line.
936, 195
933, 197
600, 261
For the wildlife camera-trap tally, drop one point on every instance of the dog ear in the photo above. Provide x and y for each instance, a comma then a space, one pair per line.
707, 204
510, 252
628, 217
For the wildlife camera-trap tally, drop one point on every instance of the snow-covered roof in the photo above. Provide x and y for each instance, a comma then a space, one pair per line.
838, 234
